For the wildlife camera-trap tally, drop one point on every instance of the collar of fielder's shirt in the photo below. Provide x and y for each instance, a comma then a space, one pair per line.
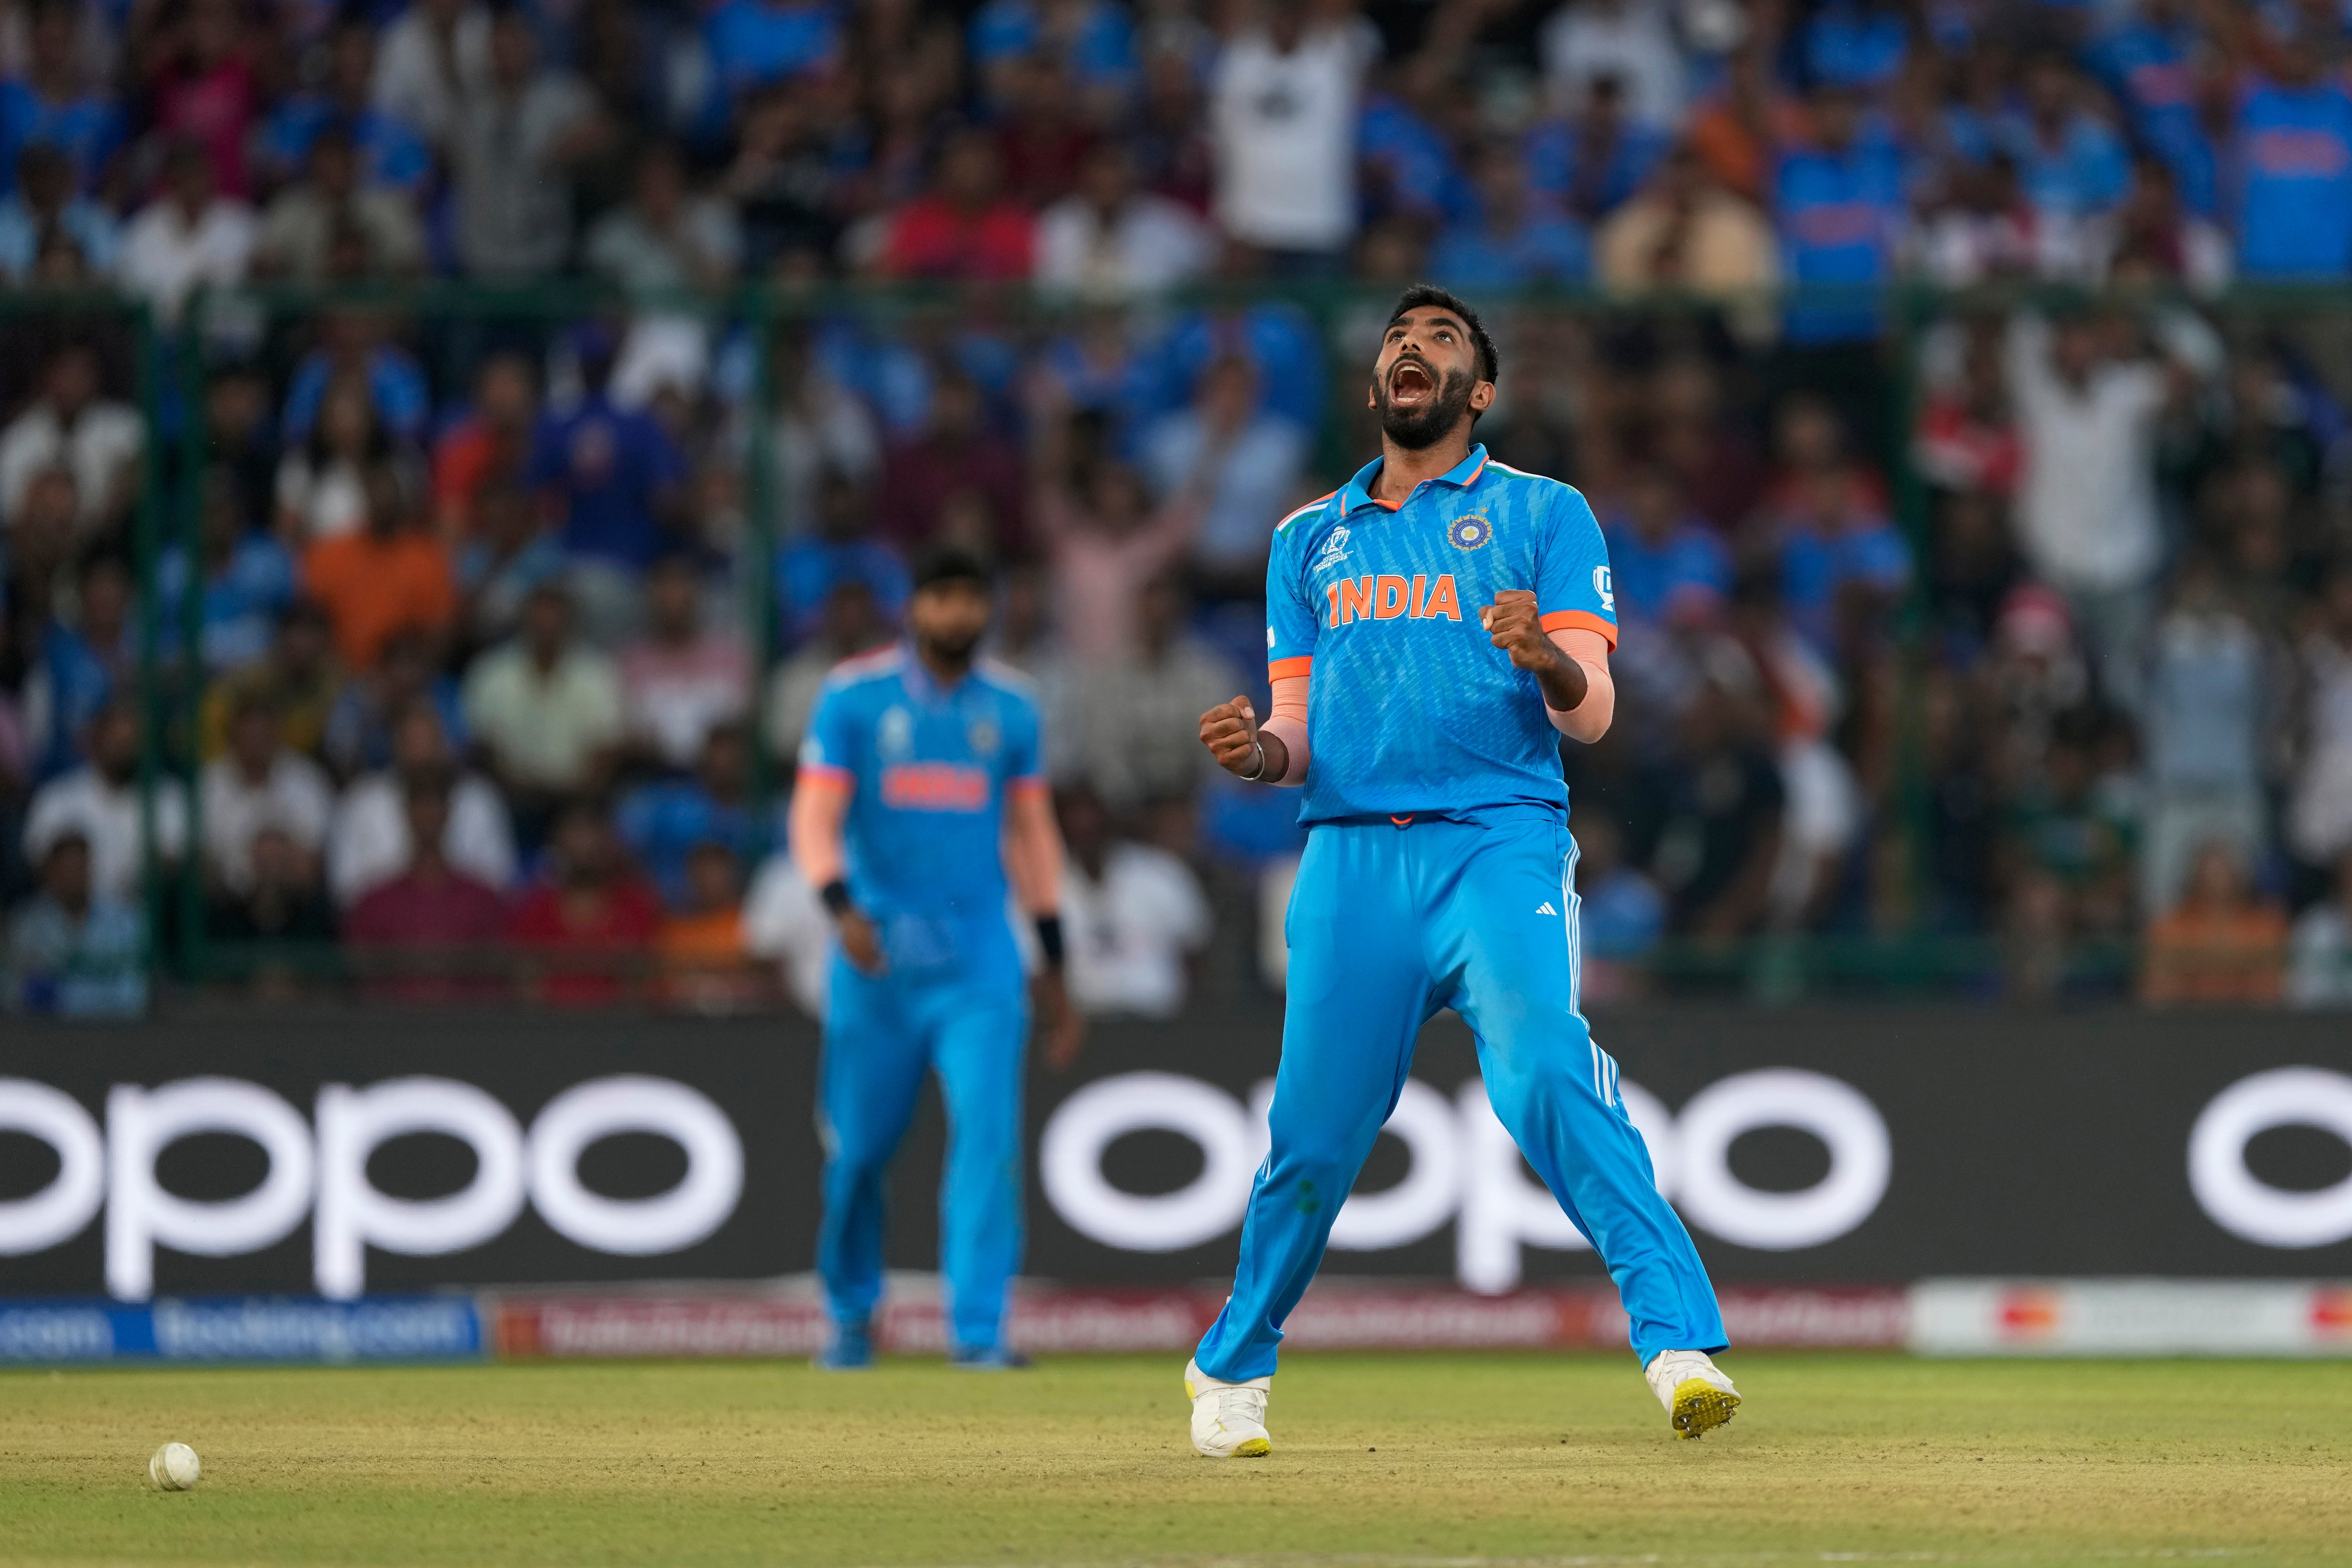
1461, 476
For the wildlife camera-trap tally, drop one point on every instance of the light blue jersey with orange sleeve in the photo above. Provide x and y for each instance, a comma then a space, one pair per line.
928, 768
1412, 709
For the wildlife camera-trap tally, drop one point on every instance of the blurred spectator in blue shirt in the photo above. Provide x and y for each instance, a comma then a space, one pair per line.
506, 555
612, 474
52, 102
1666, 566
1094, 38
1620, 913
2149, 61
1280, 343
353, 341
1407, 144
363, 726
2293, 153
1840, 203
391, 153
75, 952
1842, 559
248, 579
2069, 163
755, 42
842, 550
1515, 237
662, 823
1855, 43
45, 200
81, 668
1590, 161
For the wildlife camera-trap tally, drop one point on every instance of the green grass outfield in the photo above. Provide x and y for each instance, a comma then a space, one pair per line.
1378, 1459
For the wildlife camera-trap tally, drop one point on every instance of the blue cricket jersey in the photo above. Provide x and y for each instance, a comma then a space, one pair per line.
930, 768
1412, 710
2295, 169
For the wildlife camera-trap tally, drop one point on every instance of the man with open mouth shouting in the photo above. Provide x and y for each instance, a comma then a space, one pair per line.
1435, 625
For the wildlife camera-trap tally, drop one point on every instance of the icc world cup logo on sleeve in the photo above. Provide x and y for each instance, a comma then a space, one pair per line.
1469, 532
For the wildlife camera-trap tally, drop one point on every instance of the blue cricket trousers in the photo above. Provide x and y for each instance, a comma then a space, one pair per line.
970, 1024
1386, 926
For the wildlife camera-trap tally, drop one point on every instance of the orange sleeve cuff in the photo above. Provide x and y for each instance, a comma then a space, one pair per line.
1289, 669
1580, 620
1027, 783
826, 774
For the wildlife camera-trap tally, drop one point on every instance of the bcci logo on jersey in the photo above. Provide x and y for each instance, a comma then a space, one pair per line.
1470, 531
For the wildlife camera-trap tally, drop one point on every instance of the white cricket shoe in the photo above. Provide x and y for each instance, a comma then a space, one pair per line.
1698, 1398
1228, 1418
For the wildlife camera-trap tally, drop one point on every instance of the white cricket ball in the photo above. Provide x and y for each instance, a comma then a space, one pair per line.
174, 1467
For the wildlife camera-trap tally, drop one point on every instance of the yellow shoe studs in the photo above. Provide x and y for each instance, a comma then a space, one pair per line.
1700, 1408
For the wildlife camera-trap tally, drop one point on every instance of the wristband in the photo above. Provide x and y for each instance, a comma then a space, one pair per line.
836, 895
1049, 938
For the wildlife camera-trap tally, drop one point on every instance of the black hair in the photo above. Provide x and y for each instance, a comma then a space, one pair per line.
952, 563
1423, 296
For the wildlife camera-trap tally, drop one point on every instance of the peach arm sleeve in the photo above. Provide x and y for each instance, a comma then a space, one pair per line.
1591, 717
820, 806
1033, 847
1288, 722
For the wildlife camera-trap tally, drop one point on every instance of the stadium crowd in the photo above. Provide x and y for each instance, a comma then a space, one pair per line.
482, 703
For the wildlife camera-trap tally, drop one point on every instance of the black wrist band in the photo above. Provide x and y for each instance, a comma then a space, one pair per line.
1049, 937
836, 895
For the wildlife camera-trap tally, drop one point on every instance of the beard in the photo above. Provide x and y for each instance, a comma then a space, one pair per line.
1427, 423
955, 650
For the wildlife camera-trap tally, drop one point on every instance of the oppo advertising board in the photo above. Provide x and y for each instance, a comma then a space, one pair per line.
349, 1153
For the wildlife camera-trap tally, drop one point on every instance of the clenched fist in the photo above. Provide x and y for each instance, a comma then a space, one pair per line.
1230, 732
1513, 624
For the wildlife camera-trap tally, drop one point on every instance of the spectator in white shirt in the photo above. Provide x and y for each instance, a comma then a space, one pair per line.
1630, 40
188, 237
435, 52
1134, 917
368, 842
101, 803
1109, 241
1282, 120
784, 920
2319, 963
70, 426
2319, 805
256, 785
2088, 407
681, 679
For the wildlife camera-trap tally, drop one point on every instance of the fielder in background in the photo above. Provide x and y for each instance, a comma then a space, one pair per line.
922, 793
1435, 626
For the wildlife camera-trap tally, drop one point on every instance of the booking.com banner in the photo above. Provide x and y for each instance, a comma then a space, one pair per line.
350, 1154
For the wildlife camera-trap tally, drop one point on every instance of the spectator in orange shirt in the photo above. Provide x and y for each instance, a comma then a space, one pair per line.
2219, 943
705, 966
391, 576
486, 447
583, 936
966, 228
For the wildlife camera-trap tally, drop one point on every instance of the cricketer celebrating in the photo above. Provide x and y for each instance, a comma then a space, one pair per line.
921, 792
1433, 627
